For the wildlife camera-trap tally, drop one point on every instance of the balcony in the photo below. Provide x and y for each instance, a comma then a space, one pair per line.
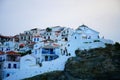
48, 51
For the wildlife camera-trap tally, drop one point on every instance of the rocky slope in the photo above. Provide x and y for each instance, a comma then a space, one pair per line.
94, 64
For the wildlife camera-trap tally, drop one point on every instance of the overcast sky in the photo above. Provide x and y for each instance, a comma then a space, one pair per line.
103, 16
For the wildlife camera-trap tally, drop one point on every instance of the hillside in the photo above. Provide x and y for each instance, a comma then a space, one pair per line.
94, 64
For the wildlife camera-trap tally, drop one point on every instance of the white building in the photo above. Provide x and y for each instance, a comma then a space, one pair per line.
87, 33
9, 63
28, 61
46, 51
9, 46
53, 47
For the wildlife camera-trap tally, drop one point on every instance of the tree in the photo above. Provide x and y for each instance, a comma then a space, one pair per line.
48, 29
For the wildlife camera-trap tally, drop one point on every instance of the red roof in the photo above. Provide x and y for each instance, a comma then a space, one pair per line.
12, 53
1, 52
55, 45
22, 45
36, 36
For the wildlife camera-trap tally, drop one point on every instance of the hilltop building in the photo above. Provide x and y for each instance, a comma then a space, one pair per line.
50, 49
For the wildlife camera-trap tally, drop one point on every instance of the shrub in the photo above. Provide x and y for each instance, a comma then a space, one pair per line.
48, 29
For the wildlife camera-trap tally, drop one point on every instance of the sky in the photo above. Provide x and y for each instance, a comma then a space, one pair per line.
16, 16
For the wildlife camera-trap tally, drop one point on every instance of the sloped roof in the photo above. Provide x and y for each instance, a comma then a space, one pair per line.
1, 52
12, 53
37, 36
86, 27
83, 25
2, 36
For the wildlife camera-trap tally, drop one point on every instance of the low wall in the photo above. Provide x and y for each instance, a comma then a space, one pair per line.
47, 66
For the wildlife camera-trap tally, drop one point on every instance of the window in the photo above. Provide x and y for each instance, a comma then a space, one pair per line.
48, 37
68, 45
67, 31
44, 37
9, 65
15, 65
0, 66
98, 37
7, 75
7, 44
8, 49
2, 49
0, 58
75, 37
66, 39
21, 37
84, 37
24, 37
51, 58
96, 40
29, 37
37, 39
34, 39
46, 58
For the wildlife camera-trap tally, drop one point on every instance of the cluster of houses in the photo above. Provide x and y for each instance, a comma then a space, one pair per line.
44, 45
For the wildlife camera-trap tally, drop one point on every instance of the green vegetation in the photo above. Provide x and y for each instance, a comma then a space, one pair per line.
55, 75
25, 53
48, 29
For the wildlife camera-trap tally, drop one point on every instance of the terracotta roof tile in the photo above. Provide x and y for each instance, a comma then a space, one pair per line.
1, 52
12, 53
